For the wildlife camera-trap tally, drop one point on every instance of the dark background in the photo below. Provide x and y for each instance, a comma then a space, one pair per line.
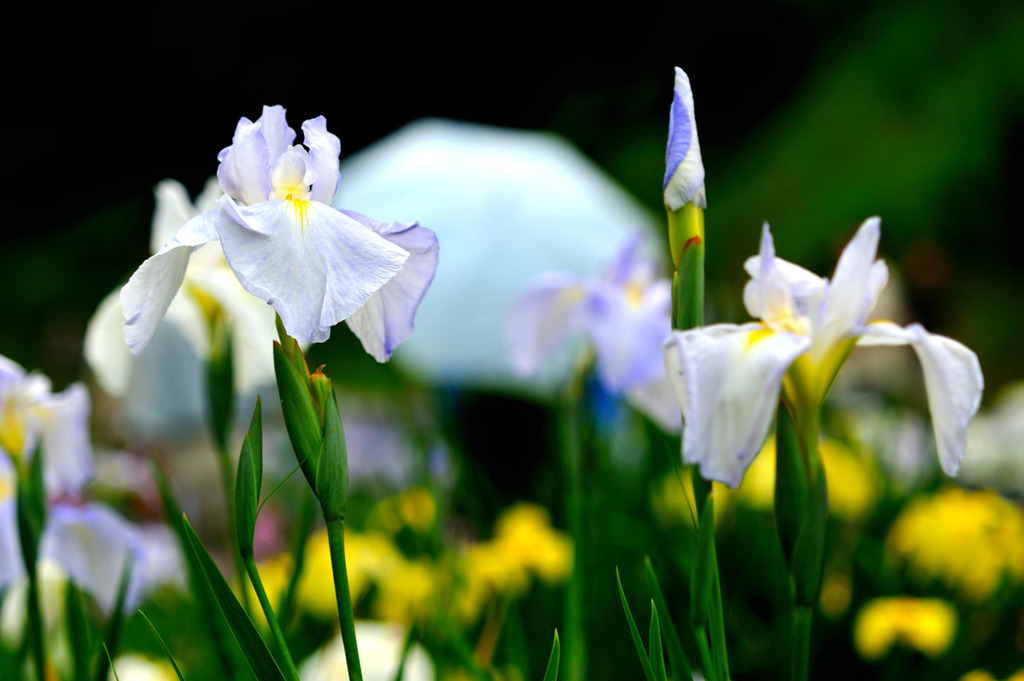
813, 115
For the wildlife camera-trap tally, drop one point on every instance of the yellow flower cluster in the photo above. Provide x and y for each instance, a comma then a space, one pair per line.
393, 587
524, 545
972, 541
925, 624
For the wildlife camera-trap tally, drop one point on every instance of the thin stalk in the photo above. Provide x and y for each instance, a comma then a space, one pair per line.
336, 542
707, 661
801, 642
227, 476
35, 626
571, 450
717, 622
268, 611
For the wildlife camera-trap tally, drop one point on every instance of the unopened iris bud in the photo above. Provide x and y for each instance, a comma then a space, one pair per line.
684, 170
685, 200
302, 418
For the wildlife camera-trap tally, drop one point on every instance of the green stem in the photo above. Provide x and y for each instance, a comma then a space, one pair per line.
801, 642
716, 619
336, 542
571, 450
268, 611
227, 476
706, 659
35, 626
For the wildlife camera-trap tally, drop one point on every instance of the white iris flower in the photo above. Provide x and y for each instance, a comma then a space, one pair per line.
312, 263
32, 416
727, 377
208, 287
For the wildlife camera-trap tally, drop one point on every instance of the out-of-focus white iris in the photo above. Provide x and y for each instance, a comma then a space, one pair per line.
209, 287
624, 314
32, 415
89, 540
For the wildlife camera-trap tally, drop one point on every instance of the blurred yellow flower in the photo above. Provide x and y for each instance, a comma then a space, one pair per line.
367, 557
414, 508
524, 545
525, 537
851, 481
983, 675
405, 592
977, 675
836, 591
972, 541
925, 624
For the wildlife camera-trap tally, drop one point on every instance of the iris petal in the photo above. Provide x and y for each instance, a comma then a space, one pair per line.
544, 316
855, 286
386, 320
324, 150
150, 290
313, 264
684, 169
92, 543
726, 379
952, 380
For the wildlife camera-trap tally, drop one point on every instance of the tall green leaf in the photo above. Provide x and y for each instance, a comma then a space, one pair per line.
637, 641
677, 656
256, 652
551, 673
167, 650
656, 656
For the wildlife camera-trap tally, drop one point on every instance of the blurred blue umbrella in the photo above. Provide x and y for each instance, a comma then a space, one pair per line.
506, 205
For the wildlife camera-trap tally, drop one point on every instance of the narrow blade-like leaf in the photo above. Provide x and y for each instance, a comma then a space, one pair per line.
656, 656
673, 645
167, 650
262, 663
551, 673
637, 641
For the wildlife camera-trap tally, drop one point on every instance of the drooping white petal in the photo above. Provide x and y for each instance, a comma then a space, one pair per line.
324, 149
726, 379
684, 169
149, 291
854, 287
92, 543
313, 264
386, 320
543, 316
952, 380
